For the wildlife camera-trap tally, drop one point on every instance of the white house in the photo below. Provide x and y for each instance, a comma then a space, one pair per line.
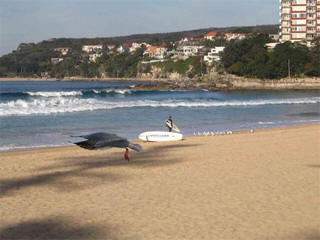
158, 52
231, 36
213, 55
188, 50
111, 47
63, 50
56, 60
91, 48
93, 57
271, 46
135, 46
275, 37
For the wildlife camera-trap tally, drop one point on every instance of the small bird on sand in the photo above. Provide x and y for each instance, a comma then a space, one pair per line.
102, 140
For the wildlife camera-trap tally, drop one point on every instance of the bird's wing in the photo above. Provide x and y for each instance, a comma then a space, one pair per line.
101, 136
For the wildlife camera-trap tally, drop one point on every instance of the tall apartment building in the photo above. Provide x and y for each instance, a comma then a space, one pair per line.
299, 20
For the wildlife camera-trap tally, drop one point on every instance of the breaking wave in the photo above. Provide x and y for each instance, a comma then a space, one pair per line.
68, 105
55, 94
85, 93
67, 93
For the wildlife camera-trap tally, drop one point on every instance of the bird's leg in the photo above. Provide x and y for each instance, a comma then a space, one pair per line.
126, 155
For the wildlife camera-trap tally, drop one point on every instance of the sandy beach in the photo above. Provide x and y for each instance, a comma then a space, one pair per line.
261, 185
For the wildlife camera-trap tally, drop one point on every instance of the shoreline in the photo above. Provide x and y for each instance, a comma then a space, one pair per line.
214, 82
236, 132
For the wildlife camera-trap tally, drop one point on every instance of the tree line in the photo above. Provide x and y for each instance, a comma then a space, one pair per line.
251, 58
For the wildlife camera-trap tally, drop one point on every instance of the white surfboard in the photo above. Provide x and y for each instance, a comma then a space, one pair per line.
160, 136
172, 126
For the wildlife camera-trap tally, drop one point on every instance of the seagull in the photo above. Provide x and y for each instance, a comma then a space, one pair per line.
102, 140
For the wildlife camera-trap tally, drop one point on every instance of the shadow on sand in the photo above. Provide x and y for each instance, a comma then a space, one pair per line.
60, 175
306, 235
51, 228
313, 165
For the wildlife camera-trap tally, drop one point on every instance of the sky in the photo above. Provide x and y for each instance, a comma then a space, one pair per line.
23, 21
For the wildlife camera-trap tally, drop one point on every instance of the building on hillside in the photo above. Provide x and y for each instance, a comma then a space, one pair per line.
111, 47
91, 48
56, 60
299, 20
62, 50
234, 36
213, 55
271, 46
125, 47
158, 52
121, 49
274, 37
94, 56
190, 40
210, 36
135, 46
184, 51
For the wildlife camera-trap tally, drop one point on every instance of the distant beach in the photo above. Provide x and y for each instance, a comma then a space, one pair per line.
211, 82
261, 185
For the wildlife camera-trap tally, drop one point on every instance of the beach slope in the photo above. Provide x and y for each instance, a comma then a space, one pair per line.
261, 185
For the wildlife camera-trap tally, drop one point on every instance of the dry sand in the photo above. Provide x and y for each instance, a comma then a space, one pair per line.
244, 186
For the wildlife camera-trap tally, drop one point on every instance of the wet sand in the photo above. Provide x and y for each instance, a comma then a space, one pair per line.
264, 185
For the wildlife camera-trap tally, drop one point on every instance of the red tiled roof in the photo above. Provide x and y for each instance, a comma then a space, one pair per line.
153, 49
211, 34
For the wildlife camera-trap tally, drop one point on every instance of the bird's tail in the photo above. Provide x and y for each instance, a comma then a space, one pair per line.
135, 147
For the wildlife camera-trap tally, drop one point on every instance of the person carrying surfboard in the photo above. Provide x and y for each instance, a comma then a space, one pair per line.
171, 126
169, 123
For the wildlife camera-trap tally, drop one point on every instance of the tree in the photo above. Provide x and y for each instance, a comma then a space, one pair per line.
288, 55
313, 67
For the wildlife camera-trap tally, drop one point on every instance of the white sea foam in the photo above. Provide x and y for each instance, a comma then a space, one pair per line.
55, 94
118, 91
67, 104
265, 123
77, 93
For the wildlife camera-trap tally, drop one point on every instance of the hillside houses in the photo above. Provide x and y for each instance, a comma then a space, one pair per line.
186, 47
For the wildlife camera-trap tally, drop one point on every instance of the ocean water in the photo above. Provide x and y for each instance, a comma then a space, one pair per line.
38, 114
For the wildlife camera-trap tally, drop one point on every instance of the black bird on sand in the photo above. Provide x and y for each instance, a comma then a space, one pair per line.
103, 140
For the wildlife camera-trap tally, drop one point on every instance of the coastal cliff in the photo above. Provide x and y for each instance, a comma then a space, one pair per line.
214, 81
